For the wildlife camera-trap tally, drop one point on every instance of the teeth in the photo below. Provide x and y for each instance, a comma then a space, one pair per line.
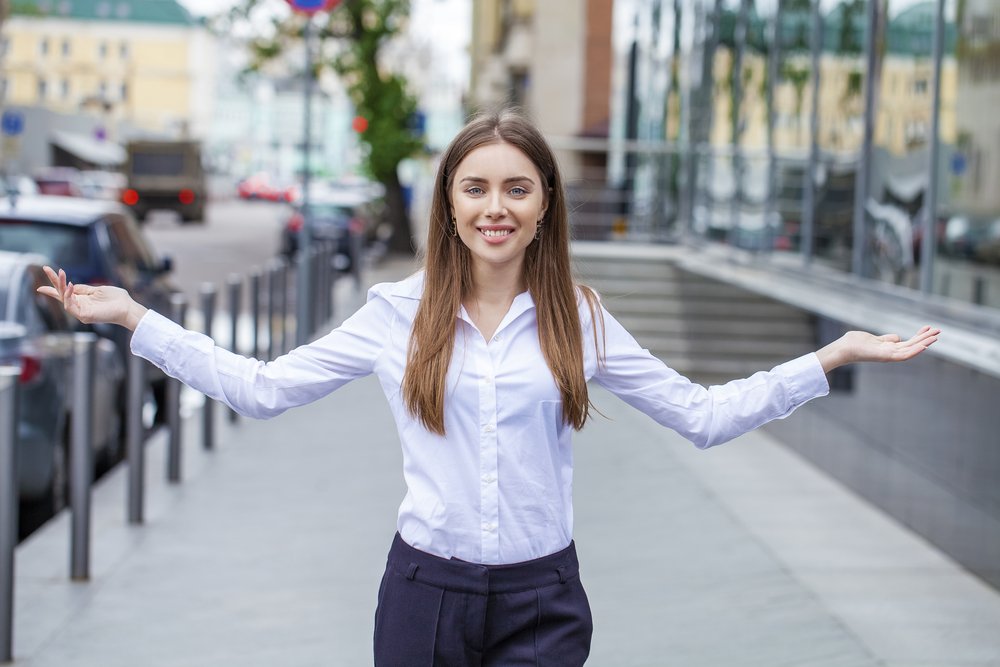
496, 232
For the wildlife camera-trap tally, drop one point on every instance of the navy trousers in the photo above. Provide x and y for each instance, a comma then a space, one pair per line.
449, 613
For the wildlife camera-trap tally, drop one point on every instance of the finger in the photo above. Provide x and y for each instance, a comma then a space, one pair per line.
51, 274
890, 338
48, 291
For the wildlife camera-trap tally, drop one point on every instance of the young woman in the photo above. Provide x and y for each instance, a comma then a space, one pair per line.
484, 357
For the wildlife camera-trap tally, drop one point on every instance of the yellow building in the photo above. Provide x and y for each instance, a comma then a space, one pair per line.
142, 63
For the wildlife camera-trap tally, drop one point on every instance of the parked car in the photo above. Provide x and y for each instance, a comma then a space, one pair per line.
334, 215
45, 354
262, 186
96, 242
60, 181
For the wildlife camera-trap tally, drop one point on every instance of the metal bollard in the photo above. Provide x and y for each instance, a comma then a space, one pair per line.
134, 436
356, 252
234, 284
272, 299
208, 409
255, 313
324, 283
283, 295
81, 453
9, 390
303, 287
178, 313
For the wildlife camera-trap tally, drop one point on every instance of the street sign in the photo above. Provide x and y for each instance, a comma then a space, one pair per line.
312, 6
12, 122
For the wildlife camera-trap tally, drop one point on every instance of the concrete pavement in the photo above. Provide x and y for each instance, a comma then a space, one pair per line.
271, 550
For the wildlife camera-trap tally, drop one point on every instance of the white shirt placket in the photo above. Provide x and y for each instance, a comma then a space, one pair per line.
489, 496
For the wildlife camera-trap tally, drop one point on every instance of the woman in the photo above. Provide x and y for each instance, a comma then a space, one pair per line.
484, 357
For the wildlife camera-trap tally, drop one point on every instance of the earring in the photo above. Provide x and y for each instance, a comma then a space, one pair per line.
538, 230
453, 232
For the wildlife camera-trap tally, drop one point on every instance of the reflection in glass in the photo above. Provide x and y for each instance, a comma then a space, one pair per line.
967, 219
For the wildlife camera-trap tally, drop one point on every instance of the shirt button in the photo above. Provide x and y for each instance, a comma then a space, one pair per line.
487, 380
490, 527
489, 479
489, 428
497, 337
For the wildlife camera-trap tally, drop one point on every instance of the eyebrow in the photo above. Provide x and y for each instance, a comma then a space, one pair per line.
512, 179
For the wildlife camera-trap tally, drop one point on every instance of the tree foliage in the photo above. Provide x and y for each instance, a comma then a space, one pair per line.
350, 40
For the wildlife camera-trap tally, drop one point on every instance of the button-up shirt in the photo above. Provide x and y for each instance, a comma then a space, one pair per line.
497, 487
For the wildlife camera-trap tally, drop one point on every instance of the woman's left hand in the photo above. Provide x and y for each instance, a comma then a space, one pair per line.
857, 346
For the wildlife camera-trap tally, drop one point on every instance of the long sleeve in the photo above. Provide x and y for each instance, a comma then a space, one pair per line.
705, 416
257, 389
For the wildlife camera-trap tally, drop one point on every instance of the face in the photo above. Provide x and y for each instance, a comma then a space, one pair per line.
497, 198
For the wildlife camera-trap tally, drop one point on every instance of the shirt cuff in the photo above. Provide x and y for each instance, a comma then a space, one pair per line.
152, 336
805, 377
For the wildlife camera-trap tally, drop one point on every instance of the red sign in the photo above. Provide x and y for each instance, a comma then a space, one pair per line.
312, 6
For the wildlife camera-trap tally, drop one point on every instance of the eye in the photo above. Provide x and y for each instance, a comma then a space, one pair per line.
518, 191
475, 190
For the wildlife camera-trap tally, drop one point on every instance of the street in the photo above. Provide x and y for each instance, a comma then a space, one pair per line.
236, 237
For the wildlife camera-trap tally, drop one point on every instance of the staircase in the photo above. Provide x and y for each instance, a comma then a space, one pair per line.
707, 330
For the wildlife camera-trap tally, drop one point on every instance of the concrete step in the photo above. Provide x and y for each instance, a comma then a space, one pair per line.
593, 269
626, 287
722, 348
734, 310
798, 328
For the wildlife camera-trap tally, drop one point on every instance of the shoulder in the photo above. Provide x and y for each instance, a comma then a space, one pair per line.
588, 304
407, 290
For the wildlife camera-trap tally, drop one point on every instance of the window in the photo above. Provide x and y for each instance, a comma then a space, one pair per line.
102, 90
3, 89
123, 50
64, 89
920, 87
124, 91
4, 46
102, 50
42, 90
43, 47
66, 48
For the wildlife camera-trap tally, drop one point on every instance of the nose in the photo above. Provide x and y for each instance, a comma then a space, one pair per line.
495, 207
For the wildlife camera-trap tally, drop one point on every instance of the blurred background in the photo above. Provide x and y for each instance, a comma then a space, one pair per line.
848, 147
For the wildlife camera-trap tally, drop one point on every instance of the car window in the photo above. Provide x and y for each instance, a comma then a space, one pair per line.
128, 244
329, 211
65, 245
25, 311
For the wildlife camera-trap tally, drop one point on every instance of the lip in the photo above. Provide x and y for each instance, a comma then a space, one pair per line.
496, 228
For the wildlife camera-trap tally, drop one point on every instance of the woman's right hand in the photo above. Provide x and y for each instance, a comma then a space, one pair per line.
93, 304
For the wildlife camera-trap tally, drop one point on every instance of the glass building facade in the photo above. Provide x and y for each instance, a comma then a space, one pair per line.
861, 135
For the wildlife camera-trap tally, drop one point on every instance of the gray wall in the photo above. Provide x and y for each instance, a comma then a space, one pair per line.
920, 440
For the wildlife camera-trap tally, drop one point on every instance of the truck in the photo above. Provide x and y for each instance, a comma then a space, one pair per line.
165, 175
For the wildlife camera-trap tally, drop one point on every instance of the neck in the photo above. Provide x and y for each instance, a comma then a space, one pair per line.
497, 284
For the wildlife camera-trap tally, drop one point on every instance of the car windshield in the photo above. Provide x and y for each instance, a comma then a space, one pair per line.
64, 245
322, 211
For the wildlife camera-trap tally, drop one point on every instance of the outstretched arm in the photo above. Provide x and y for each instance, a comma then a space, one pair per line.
93, 304
857, 346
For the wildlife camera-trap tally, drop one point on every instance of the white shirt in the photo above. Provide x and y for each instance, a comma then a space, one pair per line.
498, 487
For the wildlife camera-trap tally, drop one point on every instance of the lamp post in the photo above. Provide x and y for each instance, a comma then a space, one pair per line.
303, 312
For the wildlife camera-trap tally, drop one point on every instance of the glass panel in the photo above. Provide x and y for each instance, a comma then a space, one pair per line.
967, 266
899, 162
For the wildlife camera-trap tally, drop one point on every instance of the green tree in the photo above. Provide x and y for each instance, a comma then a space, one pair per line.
350, 39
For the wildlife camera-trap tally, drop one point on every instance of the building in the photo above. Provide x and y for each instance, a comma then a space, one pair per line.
146, 65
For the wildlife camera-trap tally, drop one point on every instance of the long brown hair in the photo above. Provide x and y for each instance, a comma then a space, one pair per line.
448, 279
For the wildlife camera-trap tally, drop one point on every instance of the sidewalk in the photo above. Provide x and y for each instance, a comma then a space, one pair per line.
271, 550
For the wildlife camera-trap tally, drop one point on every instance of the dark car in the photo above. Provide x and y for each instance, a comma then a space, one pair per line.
96, 242
43, 346
342, 216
